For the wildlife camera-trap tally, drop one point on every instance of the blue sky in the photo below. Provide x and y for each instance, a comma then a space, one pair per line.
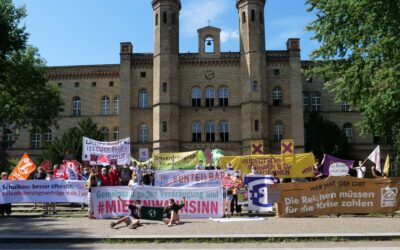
81, 32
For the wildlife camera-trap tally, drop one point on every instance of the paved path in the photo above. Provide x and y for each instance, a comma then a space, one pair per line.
44, 227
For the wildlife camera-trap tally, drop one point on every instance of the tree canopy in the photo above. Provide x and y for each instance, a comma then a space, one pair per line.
359, 56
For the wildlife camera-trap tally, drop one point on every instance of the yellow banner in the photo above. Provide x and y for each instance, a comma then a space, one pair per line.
287, 147
294, 166
257, 148
173, 161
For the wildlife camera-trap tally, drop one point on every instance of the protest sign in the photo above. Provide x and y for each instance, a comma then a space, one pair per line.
339, 195
173, 161
189, 178
335, 166
202, 202
43, 191
143, 154
262, 193
119, 150
295, 166
24, 168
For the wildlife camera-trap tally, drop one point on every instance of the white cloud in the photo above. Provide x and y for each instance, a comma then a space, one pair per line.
227, 34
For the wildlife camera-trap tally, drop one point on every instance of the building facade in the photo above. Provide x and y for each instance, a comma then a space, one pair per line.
170, 101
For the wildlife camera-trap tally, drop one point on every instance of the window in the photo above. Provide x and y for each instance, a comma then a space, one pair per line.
210, 131
116, 105
253, 16
277, 72
255, 86
164, 127
196, 97
143, 133
165, 17
209, 45
111, 84
59, 84
76, 84
35, 140
243, 17
116, 134
224, 131
48, 136
105, 105
156, 19
143, 74
76, 106
173, 18
164, 87
7, 137
277, 96
278, 131
256, 125
345, 106
94, 84
306, 102
196, 131
261, 17
210, 95
143, 99
316, 102
348, 131
105, 133
223, 95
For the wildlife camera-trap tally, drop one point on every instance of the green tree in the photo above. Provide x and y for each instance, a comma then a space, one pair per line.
26, 98
325, 137
359, 57
71, 141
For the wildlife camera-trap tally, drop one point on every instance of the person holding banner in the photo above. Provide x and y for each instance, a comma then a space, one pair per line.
172, 211
5, 208
134, 219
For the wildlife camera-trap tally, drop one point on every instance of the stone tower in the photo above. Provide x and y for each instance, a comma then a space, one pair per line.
254, 106
166, 75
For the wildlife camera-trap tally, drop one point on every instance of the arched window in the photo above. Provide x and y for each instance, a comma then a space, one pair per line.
143, 133
210, 95
196, 97
306, 102
209, 45
223, 94
277, 96
35, 140
105, 133
224, 131
116, 105
76, 106
7, 137
345, 106
210, 131
116, 134
48, 136
196, 131
316, 102
105, 105
143, 99
278, 131
348, 131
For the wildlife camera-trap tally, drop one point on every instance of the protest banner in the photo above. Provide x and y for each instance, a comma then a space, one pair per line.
174, 161
24, 168
143, 154
189, 178
119, 150
43, 191
287, 147
202, 202
339, 195
262, 193
295, 166
335, 166
257, 147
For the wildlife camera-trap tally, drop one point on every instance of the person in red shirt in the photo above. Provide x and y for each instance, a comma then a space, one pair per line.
104, 177
115, 175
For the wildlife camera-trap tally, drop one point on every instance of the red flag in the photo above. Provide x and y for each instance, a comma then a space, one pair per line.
46, 165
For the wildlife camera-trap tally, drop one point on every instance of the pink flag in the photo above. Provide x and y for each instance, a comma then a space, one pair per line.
375, 157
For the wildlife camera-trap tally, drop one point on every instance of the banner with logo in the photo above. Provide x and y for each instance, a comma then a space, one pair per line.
174, 161
43, 191
202, 202
295, 166
143, 154
335, 166
24, 168
287, 147
189, 178
262, 192
257, 148
339, 195
119, 150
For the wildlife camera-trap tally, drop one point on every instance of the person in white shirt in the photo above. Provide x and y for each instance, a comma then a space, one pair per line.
360, 170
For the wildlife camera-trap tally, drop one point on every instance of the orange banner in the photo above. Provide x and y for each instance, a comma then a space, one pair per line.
24, 168
339, 195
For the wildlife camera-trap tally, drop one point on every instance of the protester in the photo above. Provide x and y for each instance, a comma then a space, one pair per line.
5, 208
146, 179
228, 196
50, 205
200, 166
275, 177
133, 181
126, 174
134, 219
139, 173
253, 170
172, 211
237, 183
229, 166
40, 175
104, 177
376, 173
85, 175
91, 183
360, 170
115, 176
